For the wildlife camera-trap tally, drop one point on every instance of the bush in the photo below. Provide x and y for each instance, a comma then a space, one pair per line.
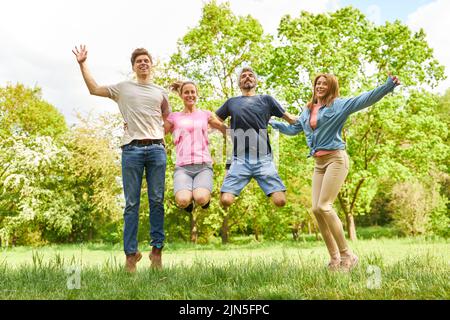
418, 208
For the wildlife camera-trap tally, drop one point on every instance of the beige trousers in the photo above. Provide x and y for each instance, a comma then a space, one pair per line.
329, 175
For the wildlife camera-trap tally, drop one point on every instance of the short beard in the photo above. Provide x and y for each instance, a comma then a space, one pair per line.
248, 86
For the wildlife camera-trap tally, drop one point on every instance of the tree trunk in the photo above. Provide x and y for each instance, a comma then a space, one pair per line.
351, 229
296, 231
225, 230
194, 230
256, 234
256, 229
350, 222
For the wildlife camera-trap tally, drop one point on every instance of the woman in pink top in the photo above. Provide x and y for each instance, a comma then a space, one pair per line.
193, 176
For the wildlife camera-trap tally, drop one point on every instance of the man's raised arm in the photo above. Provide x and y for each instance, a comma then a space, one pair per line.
94, 88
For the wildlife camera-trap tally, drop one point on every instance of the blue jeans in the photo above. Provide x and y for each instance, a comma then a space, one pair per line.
135, 159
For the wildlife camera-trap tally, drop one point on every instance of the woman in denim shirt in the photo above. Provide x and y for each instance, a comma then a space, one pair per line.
322, 122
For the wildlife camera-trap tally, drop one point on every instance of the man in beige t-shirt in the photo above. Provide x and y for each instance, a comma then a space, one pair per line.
144, 106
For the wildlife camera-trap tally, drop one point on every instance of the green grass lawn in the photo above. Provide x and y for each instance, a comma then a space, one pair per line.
401, 268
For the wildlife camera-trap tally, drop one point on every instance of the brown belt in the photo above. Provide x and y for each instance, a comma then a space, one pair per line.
146, 142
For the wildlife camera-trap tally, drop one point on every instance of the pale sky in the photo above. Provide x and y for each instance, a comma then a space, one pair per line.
37, 37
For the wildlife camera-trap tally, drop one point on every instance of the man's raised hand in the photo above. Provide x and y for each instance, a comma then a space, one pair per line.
81, 53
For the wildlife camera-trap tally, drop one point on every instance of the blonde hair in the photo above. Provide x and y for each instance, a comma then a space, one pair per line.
333, 89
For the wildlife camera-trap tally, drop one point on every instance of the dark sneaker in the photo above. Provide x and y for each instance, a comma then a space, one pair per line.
189, 208
131, 261
206, 206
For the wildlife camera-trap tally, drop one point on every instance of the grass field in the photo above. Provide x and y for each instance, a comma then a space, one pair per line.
402, 268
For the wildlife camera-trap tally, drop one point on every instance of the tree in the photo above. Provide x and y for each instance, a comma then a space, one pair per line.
23, 109
32, 161
32, 198
413, 204
359, 53
209, 54
92, 174
55, 188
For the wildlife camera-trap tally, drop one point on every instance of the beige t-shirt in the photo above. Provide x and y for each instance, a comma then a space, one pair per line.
142, 107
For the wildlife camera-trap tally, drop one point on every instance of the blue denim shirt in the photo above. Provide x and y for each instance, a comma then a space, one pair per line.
331, 120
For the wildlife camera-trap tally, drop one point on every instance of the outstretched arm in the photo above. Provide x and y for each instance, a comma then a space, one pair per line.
94, 88
215, 123
288, 129
290, 118
367, 99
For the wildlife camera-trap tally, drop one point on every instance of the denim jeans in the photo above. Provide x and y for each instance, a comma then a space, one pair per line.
262, 170
135, 159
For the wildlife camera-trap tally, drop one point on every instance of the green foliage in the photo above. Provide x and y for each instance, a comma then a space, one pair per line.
32, 160
397, 49
413, 205
93, 177
296, 172
61, 185
31, 197
23, 110
443, 107
53, 189
348, 45
388, 140
210, 52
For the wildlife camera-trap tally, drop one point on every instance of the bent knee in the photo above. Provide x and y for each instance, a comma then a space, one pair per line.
202, 200
226, 199
279, 202
183, 202
279, 199
322, 210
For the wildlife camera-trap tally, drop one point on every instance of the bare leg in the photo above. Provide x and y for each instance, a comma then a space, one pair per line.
279, 198
226, 199
201, 196
183, 198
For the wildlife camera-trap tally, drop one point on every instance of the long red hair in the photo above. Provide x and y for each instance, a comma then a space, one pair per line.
333, 89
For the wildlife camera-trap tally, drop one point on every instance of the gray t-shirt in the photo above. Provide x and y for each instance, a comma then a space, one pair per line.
142, 107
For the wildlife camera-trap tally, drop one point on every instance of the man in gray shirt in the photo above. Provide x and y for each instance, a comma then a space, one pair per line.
143, 106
